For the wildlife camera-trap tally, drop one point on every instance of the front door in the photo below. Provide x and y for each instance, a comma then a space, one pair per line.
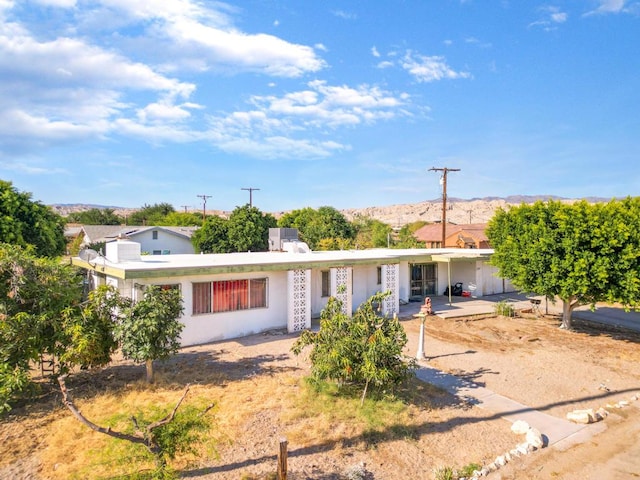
424, 280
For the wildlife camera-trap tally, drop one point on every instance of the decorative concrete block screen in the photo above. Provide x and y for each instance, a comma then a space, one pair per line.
299, 300
390, 274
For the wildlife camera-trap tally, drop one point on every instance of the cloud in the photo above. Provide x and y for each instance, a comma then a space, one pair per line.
209, 34
305, 113
344, 15
551, 17
615, 6
429, 68
375, 52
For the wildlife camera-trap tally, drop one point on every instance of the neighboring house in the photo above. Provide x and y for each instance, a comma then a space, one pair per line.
152, 240
236, 294
457, 236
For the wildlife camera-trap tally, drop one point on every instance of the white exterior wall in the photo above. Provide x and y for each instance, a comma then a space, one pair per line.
211, 327
166, 241
404, 281
365, 284
318, 302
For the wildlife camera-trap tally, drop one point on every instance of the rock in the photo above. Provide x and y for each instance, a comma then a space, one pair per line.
520, 427
623, 403
515, 453
508, 457
523, 448
581, 416
601, 414
534, 438
500, 461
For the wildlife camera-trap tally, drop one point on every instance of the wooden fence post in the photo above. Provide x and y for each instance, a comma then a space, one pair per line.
282, 459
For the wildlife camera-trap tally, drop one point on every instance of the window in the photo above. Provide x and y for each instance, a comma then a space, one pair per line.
229, 295
379, 274
154, 234
326, 283
157, 252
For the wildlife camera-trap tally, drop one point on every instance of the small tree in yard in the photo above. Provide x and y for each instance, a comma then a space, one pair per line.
150, 329
580, 253
364, 349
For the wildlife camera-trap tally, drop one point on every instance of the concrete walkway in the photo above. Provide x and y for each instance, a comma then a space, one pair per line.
556, 432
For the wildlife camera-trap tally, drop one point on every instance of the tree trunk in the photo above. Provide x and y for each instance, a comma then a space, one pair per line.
567, 308
149, 365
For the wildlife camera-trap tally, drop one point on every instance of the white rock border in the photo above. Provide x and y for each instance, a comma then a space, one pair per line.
590, 415
532, 442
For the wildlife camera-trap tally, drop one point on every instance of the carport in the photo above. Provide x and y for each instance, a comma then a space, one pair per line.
464, 255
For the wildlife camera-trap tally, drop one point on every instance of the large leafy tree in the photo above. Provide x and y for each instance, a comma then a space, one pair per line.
366, 349
581, 253
248, 229
150, 214
317, 225
43, 318
371, 233
181, 219
26, 222
406, 238
96, 216
213, 236
150, 328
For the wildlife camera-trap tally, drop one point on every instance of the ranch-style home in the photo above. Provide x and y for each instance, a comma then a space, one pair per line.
236, 294
153, 240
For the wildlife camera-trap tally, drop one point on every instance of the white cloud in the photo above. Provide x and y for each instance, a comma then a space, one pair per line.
552, 16
303, 113
208, 34
375, 52
615, 6
385, 64
429, 69
344, 15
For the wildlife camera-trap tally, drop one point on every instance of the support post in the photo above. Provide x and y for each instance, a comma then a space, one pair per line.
282, 459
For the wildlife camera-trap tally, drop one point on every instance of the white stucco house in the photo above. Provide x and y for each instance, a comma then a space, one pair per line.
237, 294
152, 240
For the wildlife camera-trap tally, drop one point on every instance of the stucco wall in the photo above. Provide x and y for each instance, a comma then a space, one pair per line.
175, 244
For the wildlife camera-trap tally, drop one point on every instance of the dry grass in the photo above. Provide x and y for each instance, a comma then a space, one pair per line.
68, 449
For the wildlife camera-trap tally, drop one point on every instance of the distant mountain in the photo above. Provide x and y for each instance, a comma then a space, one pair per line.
460, 211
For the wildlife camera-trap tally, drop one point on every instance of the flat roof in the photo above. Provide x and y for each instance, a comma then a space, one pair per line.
154, 266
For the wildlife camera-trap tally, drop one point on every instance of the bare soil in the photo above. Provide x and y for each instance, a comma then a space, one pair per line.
528, 359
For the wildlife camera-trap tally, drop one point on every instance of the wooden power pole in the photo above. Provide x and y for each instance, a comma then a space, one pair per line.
251, 190
443, 181
204, 206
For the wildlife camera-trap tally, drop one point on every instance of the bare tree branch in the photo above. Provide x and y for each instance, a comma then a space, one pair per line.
107, 431
169, 417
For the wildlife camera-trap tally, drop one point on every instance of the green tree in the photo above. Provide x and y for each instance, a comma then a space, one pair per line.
406, 238
316, 225
150, 214
365, 349
150, 329
371, 233
25, 222
213, 236
181, 219
248, 229
580, 253
96, 216
43, 318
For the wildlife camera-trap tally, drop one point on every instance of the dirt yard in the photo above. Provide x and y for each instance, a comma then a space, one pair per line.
527, 359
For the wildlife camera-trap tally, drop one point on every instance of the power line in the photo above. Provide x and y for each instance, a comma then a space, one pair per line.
443, 181
251, 190
204, 206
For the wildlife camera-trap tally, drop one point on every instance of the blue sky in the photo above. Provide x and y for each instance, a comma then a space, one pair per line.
340, 103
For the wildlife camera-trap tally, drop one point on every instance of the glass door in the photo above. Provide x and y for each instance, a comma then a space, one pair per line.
423, 280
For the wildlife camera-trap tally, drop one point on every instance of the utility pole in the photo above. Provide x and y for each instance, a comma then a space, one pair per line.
204, 206
443, 182
185, 207
251, 190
